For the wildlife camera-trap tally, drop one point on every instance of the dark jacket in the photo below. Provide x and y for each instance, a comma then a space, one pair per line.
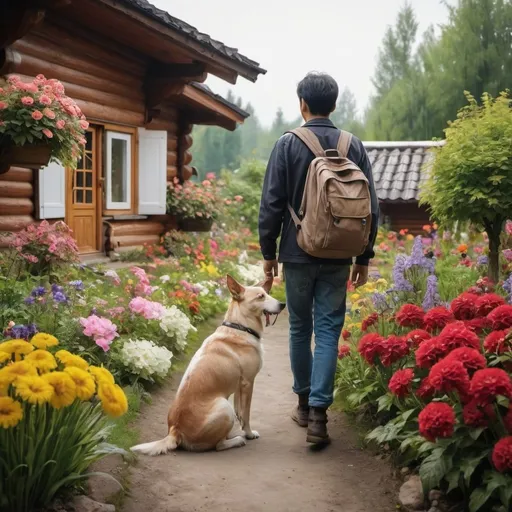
284, 182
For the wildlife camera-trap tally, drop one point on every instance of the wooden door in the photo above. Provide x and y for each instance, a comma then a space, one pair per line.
82, 212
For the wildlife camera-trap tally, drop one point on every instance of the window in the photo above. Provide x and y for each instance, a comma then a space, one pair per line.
119, 171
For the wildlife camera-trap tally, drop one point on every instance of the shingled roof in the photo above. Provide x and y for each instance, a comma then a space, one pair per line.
399, 168
204, 39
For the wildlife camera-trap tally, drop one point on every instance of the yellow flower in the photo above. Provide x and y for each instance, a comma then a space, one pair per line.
34, 389
69, 359
354, 297
130, 281
10, 412
382, 282
409, 237
43, 340
18, 347
64, 388
4, 356
42, 360
101, 375
12, 371
113, 399
84, 383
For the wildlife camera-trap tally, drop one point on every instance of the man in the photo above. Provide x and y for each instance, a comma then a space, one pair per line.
315, 288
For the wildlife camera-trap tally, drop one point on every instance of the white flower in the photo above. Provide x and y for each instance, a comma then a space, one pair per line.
251, 273
176, 323
165, 278
145, 358
243, 257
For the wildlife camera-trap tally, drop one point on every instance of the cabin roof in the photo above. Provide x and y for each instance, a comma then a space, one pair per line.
204, 39
235, 108
400, 168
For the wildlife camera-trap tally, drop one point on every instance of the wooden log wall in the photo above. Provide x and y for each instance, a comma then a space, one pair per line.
16, 201
408, 216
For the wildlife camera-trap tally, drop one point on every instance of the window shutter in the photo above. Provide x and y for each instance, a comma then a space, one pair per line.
152, 171
52, 191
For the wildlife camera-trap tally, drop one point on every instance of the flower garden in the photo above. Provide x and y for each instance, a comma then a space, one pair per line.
425, 360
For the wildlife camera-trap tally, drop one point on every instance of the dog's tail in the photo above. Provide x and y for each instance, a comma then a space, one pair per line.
165, 445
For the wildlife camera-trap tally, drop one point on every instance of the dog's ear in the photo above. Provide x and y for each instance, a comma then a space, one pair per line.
235, 288
266, 285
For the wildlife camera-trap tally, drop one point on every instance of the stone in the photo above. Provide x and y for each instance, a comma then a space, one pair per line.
435, 494
411, 494
84, 504
405, 471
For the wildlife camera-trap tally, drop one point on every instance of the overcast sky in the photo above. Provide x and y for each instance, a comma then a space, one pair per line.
291, 37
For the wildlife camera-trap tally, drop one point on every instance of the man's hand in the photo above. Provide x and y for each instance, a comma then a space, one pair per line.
359, 275
271, 269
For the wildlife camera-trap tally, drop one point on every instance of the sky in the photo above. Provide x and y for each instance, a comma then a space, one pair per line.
291, 37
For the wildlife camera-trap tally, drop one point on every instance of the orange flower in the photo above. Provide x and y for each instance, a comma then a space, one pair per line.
462, 248
403, 232
427, 228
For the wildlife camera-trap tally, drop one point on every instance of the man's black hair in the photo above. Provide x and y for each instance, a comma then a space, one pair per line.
320, 92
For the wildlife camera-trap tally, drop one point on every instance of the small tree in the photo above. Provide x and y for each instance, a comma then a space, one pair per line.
471, 176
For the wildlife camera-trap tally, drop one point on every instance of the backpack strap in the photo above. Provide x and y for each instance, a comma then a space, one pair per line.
344, 143
310, 140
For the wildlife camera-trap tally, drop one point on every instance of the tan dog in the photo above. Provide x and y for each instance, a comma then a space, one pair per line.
201, 417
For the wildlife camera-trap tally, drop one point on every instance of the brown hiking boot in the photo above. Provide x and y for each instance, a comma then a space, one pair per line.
317, 426
300, 413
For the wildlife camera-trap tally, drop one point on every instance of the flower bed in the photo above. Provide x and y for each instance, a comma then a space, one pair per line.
429, 362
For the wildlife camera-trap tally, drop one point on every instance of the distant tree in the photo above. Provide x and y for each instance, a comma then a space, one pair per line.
345, 116
471, 177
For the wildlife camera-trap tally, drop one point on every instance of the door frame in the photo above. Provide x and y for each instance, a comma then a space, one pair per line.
97, 144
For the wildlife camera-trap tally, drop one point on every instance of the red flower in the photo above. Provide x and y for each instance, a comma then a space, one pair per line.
487, 302
495, 342
507, 420
501, 317
400, 382
476, 416
488, 383
471, 358
392, 350
369, 346
478, 324
437, 420
369, 321
437, 318
463, 307
502, 454
425, 390
417, 337
429, 352
343, 351
457, 335
410, 315
449, 375
345, 334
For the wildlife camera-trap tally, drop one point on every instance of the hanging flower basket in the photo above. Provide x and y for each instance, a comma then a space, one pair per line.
195, 224
32, 156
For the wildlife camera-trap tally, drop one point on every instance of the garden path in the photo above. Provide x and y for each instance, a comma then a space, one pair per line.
276, 473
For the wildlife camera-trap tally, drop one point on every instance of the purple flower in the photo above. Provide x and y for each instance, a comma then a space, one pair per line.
94, 311
375, 274
218, 292
507, 286
30, 300
38, 292
77, 285
56, 289
482, 260
382, 301
59, 297
431, 298
32, 329
400, 282
418, 259
22, 332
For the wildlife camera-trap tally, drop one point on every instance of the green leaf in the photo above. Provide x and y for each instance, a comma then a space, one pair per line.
453, 480
385, 402
434, 468
479, 498
468, 465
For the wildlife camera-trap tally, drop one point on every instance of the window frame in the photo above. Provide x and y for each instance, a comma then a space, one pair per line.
109, 203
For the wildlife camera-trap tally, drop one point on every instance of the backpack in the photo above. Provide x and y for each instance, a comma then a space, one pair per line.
334, 219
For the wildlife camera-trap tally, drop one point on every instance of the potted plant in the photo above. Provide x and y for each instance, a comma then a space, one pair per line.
38, 123
195, 204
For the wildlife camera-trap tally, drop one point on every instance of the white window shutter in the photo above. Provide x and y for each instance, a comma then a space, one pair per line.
52, 191
152, 171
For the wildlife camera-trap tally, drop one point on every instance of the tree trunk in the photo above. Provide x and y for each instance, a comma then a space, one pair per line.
494, 233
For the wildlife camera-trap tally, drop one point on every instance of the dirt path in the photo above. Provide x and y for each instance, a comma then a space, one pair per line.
276, 473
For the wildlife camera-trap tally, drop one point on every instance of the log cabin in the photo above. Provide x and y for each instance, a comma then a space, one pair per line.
399, 170
137, 73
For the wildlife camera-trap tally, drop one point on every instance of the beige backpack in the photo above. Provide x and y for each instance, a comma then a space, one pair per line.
334, 220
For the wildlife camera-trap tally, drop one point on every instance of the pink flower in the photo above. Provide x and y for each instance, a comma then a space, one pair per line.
3, 105
148, 309
60, 124
48, 133
103, 343
102, 330
44, 99
50, 114
238, 199
37, 115
211, 176
27, 100
84, 124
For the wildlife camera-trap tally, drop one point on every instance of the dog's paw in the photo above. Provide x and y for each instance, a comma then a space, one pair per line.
252, 435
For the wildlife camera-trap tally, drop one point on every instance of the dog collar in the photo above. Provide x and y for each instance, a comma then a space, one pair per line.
242, 328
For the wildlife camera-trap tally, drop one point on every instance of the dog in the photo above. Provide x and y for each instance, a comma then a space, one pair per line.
201, 418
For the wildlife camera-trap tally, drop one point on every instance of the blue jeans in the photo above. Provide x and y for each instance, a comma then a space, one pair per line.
316, 299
